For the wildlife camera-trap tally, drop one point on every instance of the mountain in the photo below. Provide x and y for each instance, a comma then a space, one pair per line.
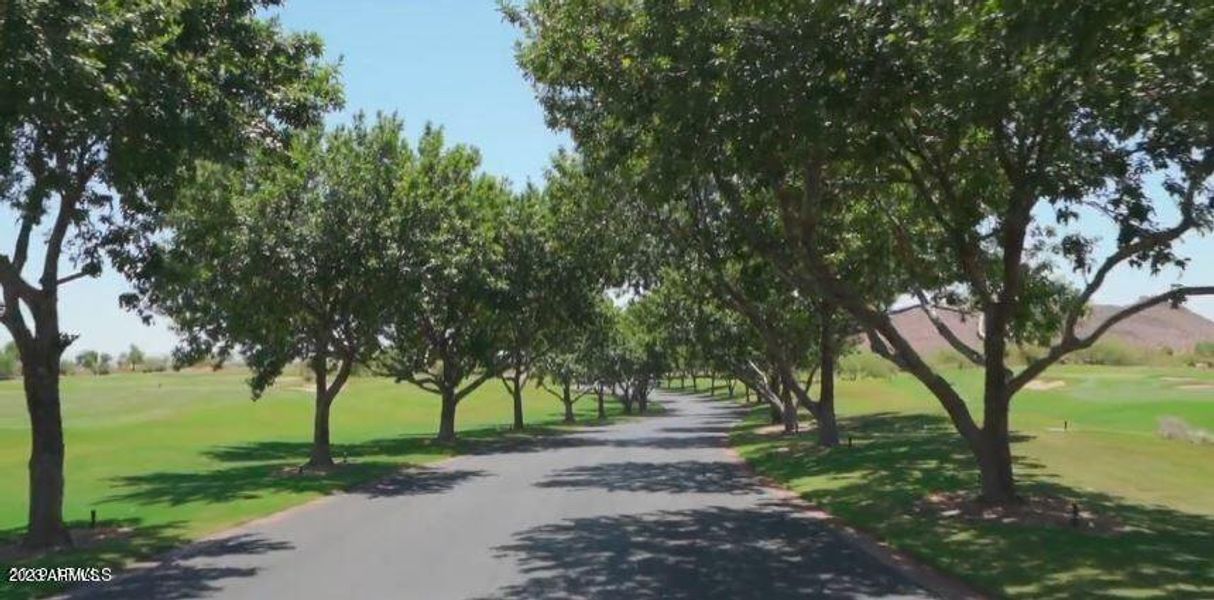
1157, 327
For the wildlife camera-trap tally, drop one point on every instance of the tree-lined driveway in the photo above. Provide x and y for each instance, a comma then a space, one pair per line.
650, 508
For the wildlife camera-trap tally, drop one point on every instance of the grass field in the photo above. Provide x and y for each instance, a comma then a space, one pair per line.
1109, 459
179, 455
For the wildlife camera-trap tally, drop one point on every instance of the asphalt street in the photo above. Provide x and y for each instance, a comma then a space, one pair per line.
648, 508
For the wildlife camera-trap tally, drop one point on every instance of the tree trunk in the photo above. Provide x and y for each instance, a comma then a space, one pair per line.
446, 421
994, 453
828, 427
790, 411
712, 384
682, 380
747, 393
322, 455
773, 402
602, 407
40, 374
567, 400
993, 444
517, 392
695, 382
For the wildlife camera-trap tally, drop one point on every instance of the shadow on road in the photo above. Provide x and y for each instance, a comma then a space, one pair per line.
764, 552
682, 477
419, 481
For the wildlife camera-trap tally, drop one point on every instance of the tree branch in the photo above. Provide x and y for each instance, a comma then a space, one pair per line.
72, 277
482, 378
946, 332
1176, 296
21, 249
1147, 242
12, 280
428, 383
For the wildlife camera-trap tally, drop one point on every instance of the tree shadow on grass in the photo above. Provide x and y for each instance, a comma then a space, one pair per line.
682, 477
245, 482
898, 459
114, 543
111, 544
374, 467
762, 552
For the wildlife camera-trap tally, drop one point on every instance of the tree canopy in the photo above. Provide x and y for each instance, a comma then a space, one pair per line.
104, 107
284, 259
951, 150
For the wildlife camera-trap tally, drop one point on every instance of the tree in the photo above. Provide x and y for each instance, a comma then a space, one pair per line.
134, 357
560, 373
10, 361
601, 351
89, 360
551, 271
555, 269
282, 260
530, 302
641, 362
104, 105
447, 343
969, 144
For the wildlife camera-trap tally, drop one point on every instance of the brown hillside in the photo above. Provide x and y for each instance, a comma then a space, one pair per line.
1158, 327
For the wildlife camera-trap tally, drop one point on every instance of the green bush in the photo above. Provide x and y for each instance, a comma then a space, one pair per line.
865, 365
8, 366
1023, 355
1205, 349
10, 361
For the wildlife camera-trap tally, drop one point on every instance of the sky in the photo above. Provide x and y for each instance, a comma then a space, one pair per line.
450, 63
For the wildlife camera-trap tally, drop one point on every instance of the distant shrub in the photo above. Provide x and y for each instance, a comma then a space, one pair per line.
950, 359
8, 367
865, 365
1112, 353
1023, 355
1175, 428
154, 365
1205, 350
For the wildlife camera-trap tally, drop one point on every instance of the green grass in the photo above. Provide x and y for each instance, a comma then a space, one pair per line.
176, 456
1109, 460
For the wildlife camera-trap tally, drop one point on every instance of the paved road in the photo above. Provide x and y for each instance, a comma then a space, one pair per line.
653, 508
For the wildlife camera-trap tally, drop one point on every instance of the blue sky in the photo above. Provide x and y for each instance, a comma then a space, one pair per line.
450, 63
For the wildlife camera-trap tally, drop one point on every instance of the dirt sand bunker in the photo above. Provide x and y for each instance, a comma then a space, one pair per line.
1042, 385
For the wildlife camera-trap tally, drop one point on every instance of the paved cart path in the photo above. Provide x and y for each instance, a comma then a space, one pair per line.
649, 508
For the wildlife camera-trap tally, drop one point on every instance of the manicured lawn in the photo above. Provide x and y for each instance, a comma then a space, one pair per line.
180, 455
1109, 460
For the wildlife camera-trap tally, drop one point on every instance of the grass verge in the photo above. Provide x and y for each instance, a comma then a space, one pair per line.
904, 450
